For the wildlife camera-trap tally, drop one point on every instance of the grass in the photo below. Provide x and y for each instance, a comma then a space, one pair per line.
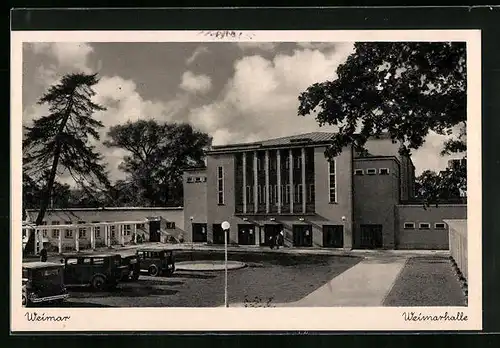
426, 281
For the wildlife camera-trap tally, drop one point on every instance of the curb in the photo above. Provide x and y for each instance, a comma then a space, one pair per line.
461, 279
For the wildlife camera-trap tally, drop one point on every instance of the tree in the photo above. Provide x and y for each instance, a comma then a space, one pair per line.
404, 88
158, 154
59, 142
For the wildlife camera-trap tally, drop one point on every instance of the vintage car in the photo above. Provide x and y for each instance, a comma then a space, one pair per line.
43, 283
133, 267
100, 271
156, 261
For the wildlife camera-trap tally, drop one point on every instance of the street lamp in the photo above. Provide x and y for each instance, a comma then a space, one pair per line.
225, 226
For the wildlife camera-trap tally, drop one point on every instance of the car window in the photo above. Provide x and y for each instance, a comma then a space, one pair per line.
71, 261
140, 255
99, 261
87, 261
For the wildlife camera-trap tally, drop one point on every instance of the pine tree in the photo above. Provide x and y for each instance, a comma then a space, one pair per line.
59, 142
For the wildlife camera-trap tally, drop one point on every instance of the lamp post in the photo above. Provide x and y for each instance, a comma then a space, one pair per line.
225, 226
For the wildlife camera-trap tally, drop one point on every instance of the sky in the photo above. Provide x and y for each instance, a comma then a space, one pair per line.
234, 91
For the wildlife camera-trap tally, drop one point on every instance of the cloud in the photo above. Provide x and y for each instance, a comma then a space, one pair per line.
72, 55
265, 46
261, 99
318, 45
195, 83
196, 53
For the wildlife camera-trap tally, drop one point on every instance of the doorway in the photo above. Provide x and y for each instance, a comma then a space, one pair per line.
302, 235
333, 236
199, 232
271, 231
154, 230
370, 237
218, 235
246, 234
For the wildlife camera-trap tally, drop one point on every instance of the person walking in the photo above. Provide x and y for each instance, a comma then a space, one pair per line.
271, 242
282, 238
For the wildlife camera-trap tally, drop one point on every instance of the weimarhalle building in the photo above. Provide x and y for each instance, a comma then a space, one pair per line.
287, 184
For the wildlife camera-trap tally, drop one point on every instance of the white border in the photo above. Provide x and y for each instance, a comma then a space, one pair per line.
194, 319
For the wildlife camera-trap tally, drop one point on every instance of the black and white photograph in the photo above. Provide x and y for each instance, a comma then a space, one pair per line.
253, 173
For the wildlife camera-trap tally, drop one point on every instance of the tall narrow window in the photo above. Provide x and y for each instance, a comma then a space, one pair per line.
297, 193
259, 194
311, 193
332, 181
287, 193
249, 195
220, 185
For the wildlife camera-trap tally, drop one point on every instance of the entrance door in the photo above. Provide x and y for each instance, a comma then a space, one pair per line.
246, 234
154, 230
218, 234
271, 231
333, 236
370, 237
302, 235
199, 232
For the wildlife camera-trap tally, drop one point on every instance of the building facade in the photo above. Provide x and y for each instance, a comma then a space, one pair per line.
288, 185
152, 223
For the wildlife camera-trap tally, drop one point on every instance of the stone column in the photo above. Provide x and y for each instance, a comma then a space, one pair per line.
255, 182
290, 174
244, 182
134, 231
303, 153
278, 174
92, 237
77, 239
267, 188
59, 244
122, 234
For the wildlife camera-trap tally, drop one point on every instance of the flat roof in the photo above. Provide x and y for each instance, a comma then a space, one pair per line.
90, 255
110, 208
39, 264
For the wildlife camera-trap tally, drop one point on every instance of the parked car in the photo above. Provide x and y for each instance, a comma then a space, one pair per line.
133, 267
43, 282
156, 261
101, 272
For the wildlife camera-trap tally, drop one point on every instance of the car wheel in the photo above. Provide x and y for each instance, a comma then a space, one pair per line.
98, 283
153, 271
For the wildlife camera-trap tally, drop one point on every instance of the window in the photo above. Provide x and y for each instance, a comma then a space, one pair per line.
220, 185
409, 225
312, 193
68, 233
383, 171
287, 193
259, 164
259, 194
171, 225
332, 181
249, 194
197, 179
82, 232
127, 230
371, 171
87, 261
204, 179
275, 194
298, 162
55, 233
358, 172
98, 261
97, 229
424, 226
71, 261
113, 229
287, 162
298, 194
440, 226
44, 232
189, 179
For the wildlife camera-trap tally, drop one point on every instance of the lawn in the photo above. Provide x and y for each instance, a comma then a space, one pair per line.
426, 281
269, 278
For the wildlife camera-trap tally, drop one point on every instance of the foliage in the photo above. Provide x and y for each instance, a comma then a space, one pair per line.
59, 142
406, 89
158, 154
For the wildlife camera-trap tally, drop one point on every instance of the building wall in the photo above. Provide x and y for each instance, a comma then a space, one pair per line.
375, 197
216, 213
331, 213
426, 239
195, 201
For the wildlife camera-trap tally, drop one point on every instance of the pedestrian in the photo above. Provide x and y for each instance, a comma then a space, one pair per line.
271, 242
282, 238
43, 255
